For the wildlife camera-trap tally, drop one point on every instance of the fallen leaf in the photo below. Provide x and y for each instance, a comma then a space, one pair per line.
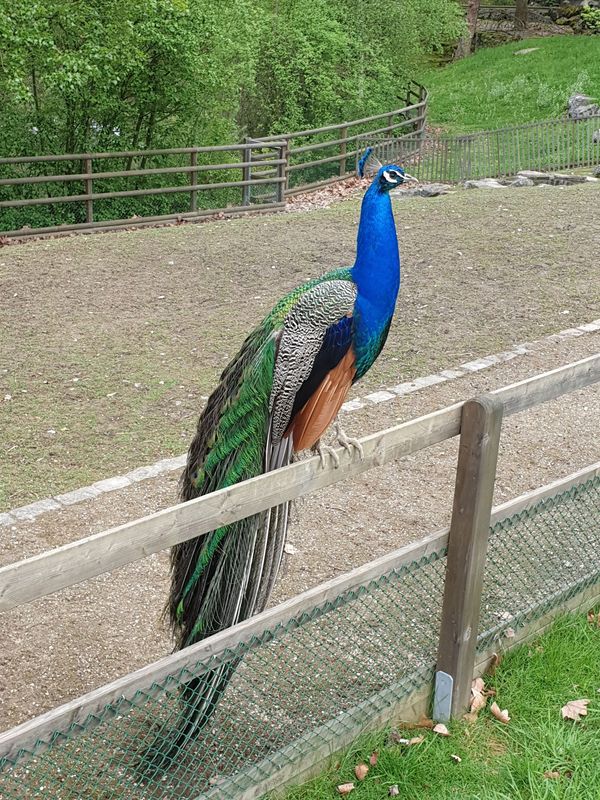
494, 664
345, 788
574, 709
551, 774
416, 740
509, 633
478, 701
393, 791
373, 758
360, 770
456, 759
594, 619
478, 685
502, 716
470, 718
441, 729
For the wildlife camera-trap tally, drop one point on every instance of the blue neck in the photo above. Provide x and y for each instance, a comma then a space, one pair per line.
376, 270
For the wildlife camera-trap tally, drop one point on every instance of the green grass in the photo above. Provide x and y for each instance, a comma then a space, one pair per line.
494, 87
499, 762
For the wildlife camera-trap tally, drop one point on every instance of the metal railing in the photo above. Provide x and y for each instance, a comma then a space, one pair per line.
549, 145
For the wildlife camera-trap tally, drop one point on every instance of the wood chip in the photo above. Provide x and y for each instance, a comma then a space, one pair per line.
550, 773
416, 740
455, 758
574, 709
441, 729
393, 791
360, 770
345, 788
502, 716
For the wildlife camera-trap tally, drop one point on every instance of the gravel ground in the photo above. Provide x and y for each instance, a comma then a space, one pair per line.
77, 639
109, 342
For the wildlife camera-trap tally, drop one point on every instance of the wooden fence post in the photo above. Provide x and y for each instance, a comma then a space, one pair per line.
193, 181
343, 149
282, 172
88, 183
246, 173
467, 545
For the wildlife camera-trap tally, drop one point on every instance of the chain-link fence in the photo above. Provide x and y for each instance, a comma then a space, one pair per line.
313, 681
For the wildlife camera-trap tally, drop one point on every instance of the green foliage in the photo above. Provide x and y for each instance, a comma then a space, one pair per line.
118, 75
591, 18
493, 87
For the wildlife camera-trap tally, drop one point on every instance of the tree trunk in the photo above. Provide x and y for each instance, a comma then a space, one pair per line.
521, 15
465, 45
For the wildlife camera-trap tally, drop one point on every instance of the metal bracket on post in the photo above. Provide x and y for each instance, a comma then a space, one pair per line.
467, 546
442, 697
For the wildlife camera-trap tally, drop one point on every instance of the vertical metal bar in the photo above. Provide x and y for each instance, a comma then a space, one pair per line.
467, 547
343, 147
88, 184
193, 181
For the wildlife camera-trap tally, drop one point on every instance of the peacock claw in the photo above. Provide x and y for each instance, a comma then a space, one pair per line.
348, 442
323, 450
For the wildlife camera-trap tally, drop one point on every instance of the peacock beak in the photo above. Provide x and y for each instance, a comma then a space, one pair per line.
408, 177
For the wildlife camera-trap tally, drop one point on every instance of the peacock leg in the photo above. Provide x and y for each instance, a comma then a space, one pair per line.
323, 450
348, 442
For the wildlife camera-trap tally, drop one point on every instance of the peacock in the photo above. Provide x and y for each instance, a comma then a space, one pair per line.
276, 398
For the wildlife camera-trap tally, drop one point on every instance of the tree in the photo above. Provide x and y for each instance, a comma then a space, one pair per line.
465, 45
521, 15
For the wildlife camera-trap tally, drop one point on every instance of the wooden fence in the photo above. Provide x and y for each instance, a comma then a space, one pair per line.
319, 156
201, 181
478, 424
549, 145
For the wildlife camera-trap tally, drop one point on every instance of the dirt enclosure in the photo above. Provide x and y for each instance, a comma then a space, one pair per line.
113, 341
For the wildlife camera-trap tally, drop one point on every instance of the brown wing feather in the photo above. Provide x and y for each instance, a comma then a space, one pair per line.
313, 419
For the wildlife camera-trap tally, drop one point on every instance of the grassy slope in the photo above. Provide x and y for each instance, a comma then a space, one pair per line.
499, 762
494, 87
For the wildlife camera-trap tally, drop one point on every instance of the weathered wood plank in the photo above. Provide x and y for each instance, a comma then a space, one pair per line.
46, 573
467, 546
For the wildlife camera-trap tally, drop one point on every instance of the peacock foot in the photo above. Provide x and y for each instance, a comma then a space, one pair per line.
323, 450
348, 442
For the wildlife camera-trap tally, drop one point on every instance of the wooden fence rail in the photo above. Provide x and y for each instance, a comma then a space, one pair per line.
257, 175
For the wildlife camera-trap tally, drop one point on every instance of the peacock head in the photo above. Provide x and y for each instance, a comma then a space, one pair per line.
385, 177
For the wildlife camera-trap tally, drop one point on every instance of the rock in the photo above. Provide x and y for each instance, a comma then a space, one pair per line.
597, 172
534, 175
427, 190
596, 136
525, 51
560, 179
521, 180
484, 183
579, 107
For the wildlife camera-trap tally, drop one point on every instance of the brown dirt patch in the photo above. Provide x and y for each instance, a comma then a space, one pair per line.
110, 342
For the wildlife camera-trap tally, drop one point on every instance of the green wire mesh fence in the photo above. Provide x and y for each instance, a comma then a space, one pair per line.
319, 675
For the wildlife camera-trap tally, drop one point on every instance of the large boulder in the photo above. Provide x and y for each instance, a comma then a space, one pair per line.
580, 107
